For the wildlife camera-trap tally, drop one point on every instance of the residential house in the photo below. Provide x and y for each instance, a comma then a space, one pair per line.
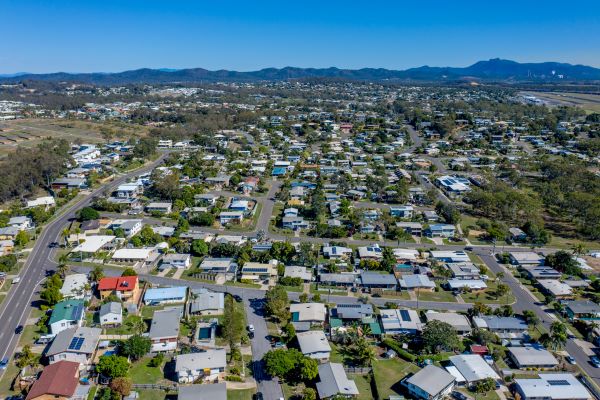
458, 321
430, 383
58, 381
351, 311
559, 386
457, 285
164, 329
208, 365
255, 271
402, 211
473, 368
314, 344
77, 344
373, 252
449, 256
336, 252
126, 288
111, 314
504, 327
440, 230
526, 258
532, 356
416, 282
144, 257
206, 302
159, 207
400, 321
294, 271
517, 234
88, 246
75, 286
165, 295
22, 223
556, 288
226, 217
584, 310
373, 279
130, 227
46, 202
175, 260
347, 280
412, 228
219, 266
464, 270
306, 315
333, 382
66, 314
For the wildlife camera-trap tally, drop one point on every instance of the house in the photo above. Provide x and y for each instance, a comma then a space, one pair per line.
333, 382
207, 303
457, 285
338, 279
21, 223
75, 344
130, 227
239, 205
402, 211
373, 252
452, 185
164, 329
352, 311
473, 368
165, 295
400, 321
440, 230
458, 321
8, 233
416, 282
504, 327
111, 313
532, 356
226, 217
90, 245
159, 207
584, 310
126, 288
174, 260
556, 288
539, 272
430, 383
58, 381
560, 386
66, 314
218, 181
412, 228
128, 191
336, 252
214, 391
69, 183
431, 216
464, 270
517, 234
146, 256
75, 286
255, 271
294, 271
308, 313
219, 266
314, 344
249, 184
449, 256
91, 227
46, 202
372, 279
525, 258
208, 365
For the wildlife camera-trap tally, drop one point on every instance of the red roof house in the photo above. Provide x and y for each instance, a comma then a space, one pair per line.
57, 381
127, 288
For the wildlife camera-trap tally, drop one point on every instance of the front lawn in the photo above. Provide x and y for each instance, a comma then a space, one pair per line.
152, 394
441, 295
142, 372
241, 394
389, 373
363, 384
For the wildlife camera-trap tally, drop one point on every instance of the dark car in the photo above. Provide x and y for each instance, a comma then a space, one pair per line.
595, 361
3, 363
18, 330
459, 395
258, 396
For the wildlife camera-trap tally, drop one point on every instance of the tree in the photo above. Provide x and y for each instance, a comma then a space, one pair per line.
485, 385
62, 270
202, 219
113, 366
199, 248
449, 212
502, 289
564, 262
88, 214
121, 386
277, 303
306, 254
233, 322
531, 318
21, 239
129, 272
309, 368
27, 358
51, 295
558, 335
136, 324
309, 394
290, 331
97, 273
439, 336
136, 347
483, 336
280, 362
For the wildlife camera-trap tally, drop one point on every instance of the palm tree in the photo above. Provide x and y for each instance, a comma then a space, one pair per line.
62, 270
137, 325
65, 234
579, 249
558, 335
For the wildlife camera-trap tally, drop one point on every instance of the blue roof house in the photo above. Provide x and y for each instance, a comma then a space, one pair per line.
166, 295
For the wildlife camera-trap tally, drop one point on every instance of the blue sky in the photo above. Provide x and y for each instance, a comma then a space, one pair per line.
90, 35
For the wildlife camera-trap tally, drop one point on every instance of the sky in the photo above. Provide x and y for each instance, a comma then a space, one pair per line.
110, 36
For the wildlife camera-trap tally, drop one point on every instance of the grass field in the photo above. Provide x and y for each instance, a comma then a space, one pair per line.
242, 394
442, 295
142, 372
363, 385
389, 373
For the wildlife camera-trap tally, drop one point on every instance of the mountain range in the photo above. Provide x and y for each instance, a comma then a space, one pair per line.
490, 70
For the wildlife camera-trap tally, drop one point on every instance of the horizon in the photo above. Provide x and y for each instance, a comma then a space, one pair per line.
109, 37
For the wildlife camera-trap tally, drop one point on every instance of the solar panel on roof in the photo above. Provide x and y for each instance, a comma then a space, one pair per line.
76, 343
558, 382
404, 315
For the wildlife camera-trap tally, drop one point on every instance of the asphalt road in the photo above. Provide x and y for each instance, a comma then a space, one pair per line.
17, 306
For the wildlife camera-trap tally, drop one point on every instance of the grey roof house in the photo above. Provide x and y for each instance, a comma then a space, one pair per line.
333, 381
430, 383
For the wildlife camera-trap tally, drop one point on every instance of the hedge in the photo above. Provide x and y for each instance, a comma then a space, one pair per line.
391, 344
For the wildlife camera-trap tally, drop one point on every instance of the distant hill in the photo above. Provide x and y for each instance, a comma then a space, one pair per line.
490, 70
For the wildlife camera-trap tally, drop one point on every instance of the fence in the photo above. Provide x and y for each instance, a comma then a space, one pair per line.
151, 386
357, 370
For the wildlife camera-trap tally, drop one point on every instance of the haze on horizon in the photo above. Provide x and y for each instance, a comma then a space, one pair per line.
112, 36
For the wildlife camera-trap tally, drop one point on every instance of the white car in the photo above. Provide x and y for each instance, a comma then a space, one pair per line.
251, 328
16, 280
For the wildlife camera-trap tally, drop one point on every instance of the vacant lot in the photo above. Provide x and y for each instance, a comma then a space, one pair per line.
30, 132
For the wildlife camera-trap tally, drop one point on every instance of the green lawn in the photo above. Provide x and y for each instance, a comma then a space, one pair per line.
441, 295
141, 372
10, 374
123, 329
152, 394
363, 385
242, 394
388, 374
148, 311
488, 296
291, 392
92, 393
491, 395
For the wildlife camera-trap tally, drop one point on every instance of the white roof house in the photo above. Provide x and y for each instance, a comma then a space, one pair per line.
396, 321
311, 312
450, 256
555, 287
471, 284
314, 344
46, 201
431, 382
560, 386
189, 367
473, 367
532, 356
74, 286
457, 321
294, 271
93, 244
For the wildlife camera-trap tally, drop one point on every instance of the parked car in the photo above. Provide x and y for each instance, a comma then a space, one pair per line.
16, 280
258, 396
595, 361
571, 360
251, 328
18, 330
458, 395
3, 363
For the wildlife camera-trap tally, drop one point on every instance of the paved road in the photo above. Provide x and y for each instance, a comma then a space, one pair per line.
524, 301
15, 309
